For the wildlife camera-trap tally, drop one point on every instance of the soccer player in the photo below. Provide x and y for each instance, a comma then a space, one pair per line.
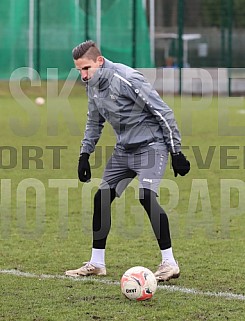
146, 132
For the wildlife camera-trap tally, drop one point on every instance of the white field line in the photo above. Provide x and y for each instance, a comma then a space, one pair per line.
170, 288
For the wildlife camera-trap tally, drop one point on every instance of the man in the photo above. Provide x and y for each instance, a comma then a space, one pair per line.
146, 133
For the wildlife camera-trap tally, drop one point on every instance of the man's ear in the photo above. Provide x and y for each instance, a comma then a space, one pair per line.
100, 59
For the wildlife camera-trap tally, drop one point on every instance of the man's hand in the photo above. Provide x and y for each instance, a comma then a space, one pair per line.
84, 172
180, 164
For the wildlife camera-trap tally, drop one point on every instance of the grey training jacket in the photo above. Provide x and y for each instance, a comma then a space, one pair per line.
122, 96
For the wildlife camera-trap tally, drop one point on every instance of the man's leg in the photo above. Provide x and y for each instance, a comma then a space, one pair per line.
101, 227
101, 224
168, 268
115, 179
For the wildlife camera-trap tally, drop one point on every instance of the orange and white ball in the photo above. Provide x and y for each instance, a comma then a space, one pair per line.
138, 283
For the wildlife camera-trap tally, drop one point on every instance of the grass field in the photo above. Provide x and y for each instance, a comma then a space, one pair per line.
46, 214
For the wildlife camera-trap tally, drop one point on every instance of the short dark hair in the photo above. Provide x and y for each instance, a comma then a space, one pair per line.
86, 49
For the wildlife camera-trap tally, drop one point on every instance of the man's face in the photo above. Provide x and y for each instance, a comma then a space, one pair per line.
87, 67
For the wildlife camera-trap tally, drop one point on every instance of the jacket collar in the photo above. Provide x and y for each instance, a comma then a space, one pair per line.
103, 76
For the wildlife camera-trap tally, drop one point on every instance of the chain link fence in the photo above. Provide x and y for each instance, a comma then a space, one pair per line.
40, 34
213, 33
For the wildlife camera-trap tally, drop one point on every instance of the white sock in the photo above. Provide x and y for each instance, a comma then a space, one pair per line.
98, 257
167, 255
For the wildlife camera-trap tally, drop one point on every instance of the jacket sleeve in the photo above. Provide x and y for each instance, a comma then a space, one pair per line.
147, 97
94, 126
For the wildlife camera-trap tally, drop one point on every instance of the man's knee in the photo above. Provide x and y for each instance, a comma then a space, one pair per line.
105, 195
97, 196
146, 197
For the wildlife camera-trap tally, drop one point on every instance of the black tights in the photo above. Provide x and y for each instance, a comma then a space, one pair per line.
102, 217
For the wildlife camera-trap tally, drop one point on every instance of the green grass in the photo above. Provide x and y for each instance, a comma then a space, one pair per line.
206, 213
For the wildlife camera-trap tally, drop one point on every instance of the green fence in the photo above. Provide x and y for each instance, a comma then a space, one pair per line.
191, 33
41, 33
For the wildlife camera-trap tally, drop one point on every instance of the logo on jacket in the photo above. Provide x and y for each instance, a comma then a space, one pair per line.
113, 97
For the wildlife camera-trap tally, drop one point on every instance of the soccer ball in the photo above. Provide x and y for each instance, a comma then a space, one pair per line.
138, 283
40, 101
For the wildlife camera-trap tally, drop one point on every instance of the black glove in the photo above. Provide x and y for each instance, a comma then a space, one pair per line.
180, 164
84, 172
